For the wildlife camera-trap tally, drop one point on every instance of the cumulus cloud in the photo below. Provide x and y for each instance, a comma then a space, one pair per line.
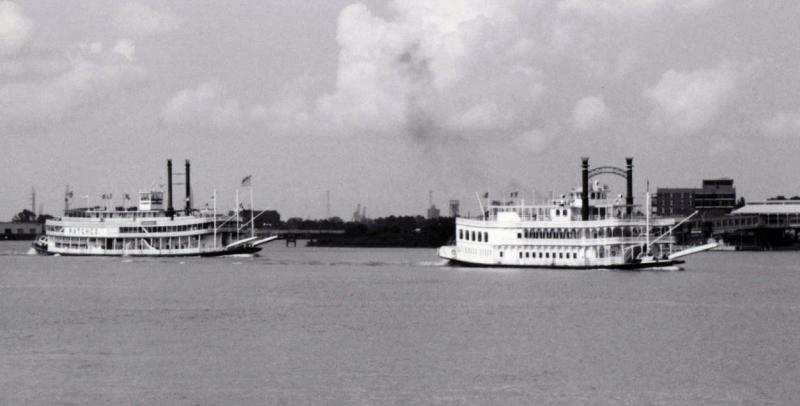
204, 106
437, 69
52, 88
137, 19
15, 28
686, 102
783, 123
590, 113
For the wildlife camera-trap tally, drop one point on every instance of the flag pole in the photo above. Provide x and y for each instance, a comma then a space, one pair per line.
252, 213
237, 214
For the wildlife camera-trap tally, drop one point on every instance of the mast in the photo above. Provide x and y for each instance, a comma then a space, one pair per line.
67, 196
215, 218
647, 220
483, 213
252, 214
238, 212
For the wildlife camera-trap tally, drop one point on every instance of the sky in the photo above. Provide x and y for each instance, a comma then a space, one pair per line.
380, 102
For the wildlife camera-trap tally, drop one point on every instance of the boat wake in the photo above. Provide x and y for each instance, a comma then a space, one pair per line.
241, 256
439, 263
673, 268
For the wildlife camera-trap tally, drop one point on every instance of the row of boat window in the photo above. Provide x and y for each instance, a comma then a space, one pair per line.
165, 229
113, 214
568, 253
607, 232
128, 243
546, 255
71, 242
480, 236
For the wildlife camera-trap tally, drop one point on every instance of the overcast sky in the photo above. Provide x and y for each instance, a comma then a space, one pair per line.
381, 101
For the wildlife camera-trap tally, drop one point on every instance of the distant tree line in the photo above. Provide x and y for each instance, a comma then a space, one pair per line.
27, 216
782, 197
391, 231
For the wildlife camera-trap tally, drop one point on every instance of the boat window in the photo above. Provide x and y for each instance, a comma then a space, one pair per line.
519, 235
520, 255
480, 237
473, 236
486, 236
501, 254
460, 234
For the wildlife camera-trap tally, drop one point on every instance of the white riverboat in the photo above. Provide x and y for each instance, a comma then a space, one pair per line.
586, 229
149, 229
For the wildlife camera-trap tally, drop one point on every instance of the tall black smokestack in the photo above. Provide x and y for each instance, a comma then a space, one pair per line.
629, 196
585, 189
170, 210
188, 189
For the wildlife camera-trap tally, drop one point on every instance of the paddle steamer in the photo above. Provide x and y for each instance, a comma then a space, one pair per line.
149, 229
589, 228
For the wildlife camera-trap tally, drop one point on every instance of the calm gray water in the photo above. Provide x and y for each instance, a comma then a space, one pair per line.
394, 327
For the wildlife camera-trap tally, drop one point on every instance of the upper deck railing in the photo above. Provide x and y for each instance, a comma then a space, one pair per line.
132, 213
563, 211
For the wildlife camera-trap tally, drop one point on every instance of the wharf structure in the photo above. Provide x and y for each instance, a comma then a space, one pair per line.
770, 225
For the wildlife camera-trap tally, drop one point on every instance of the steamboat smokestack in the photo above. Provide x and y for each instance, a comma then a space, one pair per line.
629, 177
585, 189
188, 189
170, 210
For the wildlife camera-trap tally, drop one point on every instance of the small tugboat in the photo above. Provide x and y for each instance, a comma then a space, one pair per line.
586, 229
148, 229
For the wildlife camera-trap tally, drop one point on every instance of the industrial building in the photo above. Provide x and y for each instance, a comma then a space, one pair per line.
716, 197
20, 230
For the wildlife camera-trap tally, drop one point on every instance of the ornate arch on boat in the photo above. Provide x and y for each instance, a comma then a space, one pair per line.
608, 170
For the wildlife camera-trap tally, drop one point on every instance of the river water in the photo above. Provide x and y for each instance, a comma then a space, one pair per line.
315, 326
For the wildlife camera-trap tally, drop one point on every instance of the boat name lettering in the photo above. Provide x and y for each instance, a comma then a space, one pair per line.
81, 230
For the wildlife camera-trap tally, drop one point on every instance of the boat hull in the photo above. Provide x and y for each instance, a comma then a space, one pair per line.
42, 249
628, 266
205, 254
